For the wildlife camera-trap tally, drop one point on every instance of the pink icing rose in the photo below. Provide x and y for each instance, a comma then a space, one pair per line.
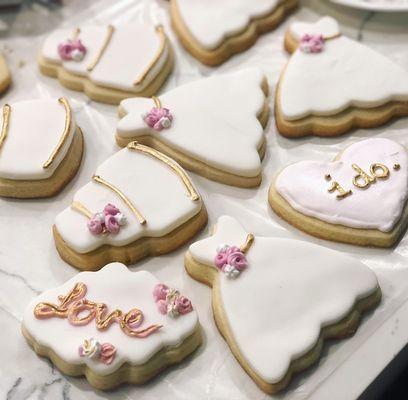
183, 305
232, 249
108, 353
160, 292
312, 43
111, 224
220, 260
159, 118
65, 50
95, 226
110, 209
162, 306
77, 45
237, 260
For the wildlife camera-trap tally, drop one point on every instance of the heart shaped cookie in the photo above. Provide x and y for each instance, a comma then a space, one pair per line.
332, 83
359, 198
276, 300
139, 203
40, 147
106, 62
113, 326
213, 126
214, 30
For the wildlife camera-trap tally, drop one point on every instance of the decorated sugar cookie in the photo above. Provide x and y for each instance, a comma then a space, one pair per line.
213, 31
284, 298
138, 203
40, 147
113, 326
332, 83
359, 198
213, 126
5, 76
109, 63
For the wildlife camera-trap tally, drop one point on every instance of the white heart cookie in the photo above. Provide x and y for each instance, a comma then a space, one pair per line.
215, 123
344, 74
278, 308
379, 205
64, 324
153, 194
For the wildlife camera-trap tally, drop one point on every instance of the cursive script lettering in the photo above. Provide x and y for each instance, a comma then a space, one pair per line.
81, 311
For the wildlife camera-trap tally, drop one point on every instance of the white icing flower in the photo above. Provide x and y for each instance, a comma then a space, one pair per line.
121, 219
91, 348
172, 310
77, 55
230, 271
172, 294
100, 216
222, 247
165, 122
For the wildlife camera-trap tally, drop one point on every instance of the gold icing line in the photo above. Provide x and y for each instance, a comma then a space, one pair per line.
102, 181
157, 102
170, 163
163, 40
76, 33
248, 243
108, 37
65, 134
5, 125
332, 37
77, 206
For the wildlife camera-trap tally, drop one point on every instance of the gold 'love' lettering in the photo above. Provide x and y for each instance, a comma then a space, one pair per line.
81, 311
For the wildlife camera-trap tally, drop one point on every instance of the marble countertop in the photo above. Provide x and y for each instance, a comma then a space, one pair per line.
29, 263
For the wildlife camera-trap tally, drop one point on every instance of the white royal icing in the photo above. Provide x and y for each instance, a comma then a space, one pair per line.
117, 287
153, 188
290, 290
211, 22
346, 73
304, 187
124, 60
215, 120
35, 128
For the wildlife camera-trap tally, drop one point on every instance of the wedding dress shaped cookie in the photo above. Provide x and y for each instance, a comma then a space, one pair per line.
332, 83
276, 300
109, 63
212, 126
214, 30
113, 326
138, 203
40, 147
359, 198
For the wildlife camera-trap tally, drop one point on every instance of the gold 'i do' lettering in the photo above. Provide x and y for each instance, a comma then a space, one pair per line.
108, 37
105, 183
155, 60
65, 133
335, 186
170, 163
5, 123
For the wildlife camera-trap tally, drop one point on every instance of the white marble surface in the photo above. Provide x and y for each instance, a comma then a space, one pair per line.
30, 264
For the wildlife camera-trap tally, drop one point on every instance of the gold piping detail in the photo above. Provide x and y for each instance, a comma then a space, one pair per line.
5, 125
65, 134
157, 102
248, 243
108, 37
102, 181
77, 206
76, 33
170, 163
163, 41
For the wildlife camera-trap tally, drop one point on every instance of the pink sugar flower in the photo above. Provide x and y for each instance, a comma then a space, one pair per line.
158, 118
162, 306
312, 43
237, 260
95, 226
183, 305
160, 292
110, 209
112, 224
107, 353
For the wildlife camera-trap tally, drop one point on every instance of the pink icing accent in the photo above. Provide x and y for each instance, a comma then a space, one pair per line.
230, 259
81, 351
112, 224
183, 305
108, 221
170, 302
108, 353
110, 209
312, 43
70, 47
220, 260
237, 260
95, 226
160, 292
158, 118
